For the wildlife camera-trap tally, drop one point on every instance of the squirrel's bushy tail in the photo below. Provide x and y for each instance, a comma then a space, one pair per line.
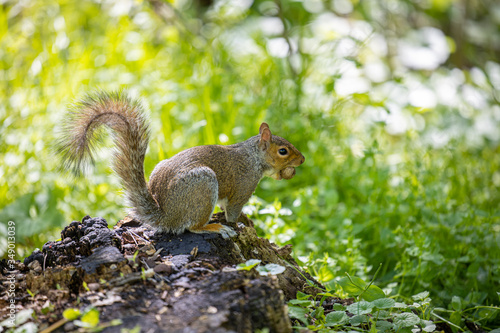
81, 134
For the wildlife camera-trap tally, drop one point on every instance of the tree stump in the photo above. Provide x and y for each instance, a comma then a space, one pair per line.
159, 282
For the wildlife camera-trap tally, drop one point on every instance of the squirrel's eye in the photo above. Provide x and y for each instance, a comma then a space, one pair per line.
282, 151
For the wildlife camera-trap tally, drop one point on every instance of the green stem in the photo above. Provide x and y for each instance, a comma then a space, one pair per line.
371, 282
446, 321
482, 307
350, 279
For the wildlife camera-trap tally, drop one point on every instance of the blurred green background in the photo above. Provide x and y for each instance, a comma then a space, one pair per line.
393, 103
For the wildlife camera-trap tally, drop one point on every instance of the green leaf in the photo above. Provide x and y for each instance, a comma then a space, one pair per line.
301, 302
318, 313
456, 318
89, 319
487, 313
327, 294
325, 273
248, 265
384, 303
373, 293
436, 258
115, 322
383, 325
338, 307
298, 313
301, 295
270, 269
427, 325
456, 303
382, 314
405, 330
350, 288
360, 308
71, 314
49, 308
420, 296
336, 318
405, 319
358, 320
357, 286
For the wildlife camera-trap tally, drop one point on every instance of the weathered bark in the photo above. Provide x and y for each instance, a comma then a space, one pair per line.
161, 282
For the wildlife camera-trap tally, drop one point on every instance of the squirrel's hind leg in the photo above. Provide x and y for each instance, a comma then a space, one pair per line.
202, 226
198, 191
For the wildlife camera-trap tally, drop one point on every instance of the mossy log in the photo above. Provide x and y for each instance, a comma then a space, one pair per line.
160, 282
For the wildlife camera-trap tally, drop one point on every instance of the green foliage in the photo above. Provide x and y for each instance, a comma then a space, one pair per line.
380, 315
71, 314
268, 269
394, 105
354, 286
89, 319
248, 265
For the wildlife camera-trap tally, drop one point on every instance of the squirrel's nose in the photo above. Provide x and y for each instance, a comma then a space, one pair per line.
303, 159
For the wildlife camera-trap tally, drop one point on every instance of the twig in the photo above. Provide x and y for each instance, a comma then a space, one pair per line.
55, 325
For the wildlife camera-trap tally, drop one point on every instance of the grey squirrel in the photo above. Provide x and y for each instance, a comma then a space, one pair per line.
183, 190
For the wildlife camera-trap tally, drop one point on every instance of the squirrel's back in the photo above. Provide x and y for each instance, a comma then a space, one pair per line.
237, 167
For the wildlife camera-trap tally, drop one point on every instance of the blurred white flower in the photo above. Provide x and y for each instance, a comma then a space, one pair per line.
120, 7
376, 71
474, 97
342, 7
278, 47
313, 6
396, 122
493, 70
486, 126
438, 139
329, 26
422, 98
271, 25
349, 85
378, 45
425, 48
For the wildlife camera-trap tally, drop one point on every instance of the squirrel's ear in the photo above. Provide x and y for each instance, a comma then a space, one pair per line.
265, 137
262, 126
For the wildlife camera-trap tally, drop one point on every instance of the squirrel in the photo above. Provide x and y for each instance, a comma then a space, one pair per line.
183, 190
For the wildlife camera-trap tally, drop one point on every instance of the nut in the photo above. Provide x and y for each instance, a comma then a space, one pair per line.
288, 173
